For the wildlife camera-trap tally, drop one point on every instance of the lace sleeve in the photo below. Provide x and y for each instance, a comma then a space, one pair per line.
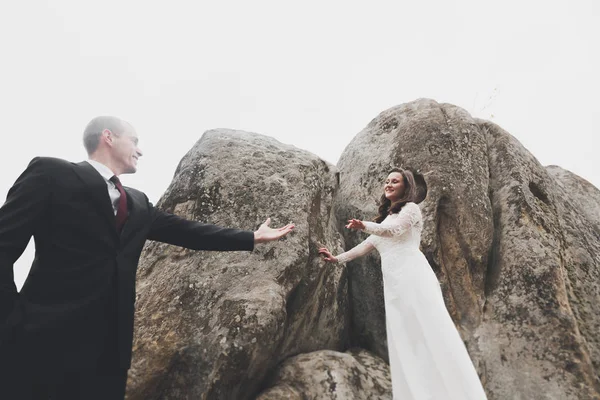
365, 247
409, 216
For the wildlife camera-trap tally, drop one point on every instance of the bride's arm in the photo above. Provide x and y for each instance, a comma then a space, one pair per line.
408, 217
359, 250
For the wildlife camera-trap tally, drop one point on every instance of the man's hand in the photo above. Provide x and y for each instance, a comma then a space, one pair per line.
355, 224
266, 234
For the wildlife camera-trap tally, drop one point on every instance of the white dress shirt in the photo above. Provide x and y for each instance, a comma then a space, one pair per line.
106, 173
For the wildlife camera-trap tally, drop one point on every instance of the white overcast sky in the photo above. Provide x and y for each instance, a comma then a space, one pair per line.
310, 73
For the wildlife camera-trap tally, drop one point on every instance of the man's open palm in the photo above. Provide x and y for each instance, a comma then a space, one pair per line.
266, 234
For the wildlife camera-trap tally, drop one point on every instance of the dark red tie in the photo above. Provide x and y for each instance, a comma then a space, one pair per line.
121, 216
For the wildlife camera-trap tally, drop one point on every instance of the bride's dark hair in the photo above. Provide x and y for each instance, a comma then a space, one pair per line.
412, 193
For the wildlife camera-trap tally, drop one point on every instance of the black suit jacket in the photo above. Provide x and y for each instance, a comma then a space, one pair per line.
76, 307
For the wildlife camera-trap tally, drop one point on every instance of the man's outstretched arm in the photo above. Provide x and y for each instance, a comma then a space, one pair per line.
172, 229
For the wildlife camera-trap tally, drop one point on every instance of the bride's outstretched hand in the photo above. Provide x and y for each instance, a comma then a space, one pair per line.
355, 224
327, 256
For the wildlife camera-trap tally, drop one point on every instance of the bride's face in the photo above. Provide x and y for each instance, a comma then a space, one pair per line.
394, 186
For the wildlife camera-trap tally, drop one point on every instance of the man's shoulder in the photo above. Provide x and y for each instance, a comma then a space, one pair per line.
135, 191
137, 194
50, 162
49, 165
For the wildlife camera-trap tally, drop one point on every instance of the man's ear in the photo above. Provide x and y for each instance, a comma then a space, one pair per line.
107, 137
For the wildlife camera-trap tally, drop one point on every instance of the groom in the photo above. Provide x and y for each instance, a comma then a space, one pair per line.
68, 333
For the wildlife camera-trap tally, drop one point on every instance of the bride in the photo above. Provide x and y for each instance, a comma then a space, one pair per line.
428, 359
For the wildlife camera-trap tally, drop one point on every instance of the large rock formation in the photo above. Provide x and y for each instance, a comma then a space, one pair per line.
515, 245
448, 147
212, 325
327, 374
577, 204
515, 248
530, 344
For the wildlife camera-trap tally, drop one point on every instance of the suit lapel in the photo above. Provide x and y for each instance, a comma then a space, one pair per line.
134, 205
98, 191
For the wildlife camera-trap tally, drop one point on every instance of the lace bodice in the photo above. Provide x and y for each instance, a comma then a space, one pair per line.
396, 232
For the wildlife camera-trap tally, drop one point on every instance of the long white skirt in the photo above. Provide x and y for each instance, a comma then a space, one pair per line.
428, 358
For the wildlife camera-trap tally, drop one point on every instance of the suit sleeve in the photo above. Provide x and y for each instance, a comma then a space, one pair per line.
25, 206
172, 229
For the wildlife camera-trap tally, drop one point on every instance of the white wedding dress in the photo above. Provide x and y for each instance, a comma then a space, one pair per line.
428, 359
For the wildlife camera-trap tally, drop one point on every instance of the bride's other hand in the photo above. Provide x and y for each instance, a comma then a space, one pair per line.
327, 256
355, 224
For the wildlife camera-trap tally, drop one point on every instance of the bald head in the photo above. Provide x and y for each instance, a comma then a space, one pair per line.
94, 129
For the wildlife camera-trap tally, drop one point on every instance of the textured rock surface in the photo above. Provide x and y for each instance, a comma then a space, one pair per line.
326, 374
211, 325
515, 248
446, 144
530, 342
578, 207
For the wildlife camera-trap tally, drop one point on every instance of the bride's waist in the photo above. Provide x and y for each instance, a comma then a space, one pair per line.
395, 251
